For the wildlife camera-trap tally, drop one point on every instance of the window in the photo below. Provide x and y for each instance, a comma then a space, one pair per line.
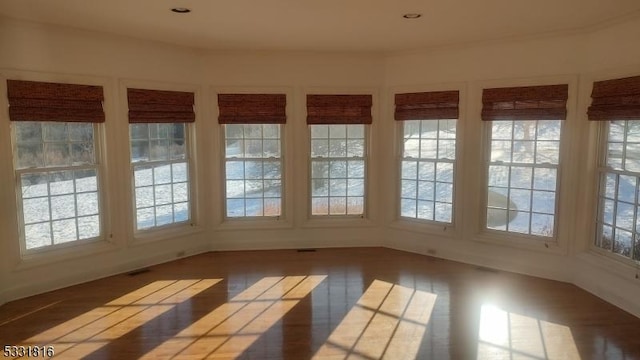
428, 152
160, 165
337, 169
523, 176
338, 141
160, 160
524, 156
616, 103
56, 162
253, 166
618, 205
253, 169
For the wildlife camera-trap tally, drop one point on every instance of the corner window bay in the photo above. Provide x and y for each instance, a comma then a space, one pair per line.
56, 154
523, 137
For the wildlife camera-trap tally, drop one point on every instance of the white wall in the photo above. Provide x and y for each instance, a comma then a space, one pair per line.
48, 53
44, 52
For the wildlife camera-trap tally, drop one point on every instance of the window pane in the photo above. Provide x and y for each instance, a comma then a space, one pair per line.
139, 132
443, 212
409, 170
145, 218
409, 189
29, 156
34, 185
36, 210
38, 235
88, 227
64, 231
63, 207
408, 208
181, 212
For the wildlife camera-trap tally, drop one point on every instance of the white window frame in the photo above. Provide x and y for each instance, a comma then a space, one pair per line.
435, 161
97, 166
603, 169
153, 164
488, 125
364, 158
281, 159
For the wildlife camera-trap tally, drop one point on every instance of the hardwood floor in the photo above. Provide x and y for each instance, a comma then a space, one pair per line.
364, 303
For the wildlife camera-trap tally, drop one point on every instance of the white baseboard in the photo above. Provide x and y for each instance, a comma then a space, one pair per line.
33, 288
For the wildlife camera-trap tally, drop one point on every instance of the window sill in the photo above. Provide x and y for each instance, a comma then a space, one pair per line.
51, 256
165, 233
253, 224
520, 241
425, 227
337, 222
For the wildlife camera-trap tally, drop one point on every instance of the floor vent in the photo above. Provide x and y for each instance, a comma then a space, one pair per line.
306, 250
486, 269
138, 272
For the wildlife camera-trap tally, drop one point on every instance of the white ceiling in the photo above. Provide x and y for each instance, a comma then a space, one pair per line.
323, 25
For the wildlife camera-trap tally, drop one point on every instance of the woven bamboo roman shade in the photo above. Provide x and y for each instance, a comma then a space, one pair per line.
43, 101
617, 99
339, 109
547, 102
160, 106
427, 105
252, 108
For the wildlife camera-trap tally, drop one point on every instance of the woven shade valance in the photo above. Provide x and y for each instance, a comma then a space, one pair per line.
617, 99
252, 108
43, 101
427, 105
547, 102
339, 109
160, 106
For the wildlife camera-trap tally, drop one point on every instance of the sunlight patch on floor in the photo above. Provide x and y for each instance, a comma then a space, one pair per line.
94, 329
388, 322
233, 327
507, 335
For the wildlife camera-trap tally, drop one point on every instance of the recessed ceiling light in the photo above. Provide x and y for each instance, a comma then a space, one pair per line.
181, 10
411, 16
